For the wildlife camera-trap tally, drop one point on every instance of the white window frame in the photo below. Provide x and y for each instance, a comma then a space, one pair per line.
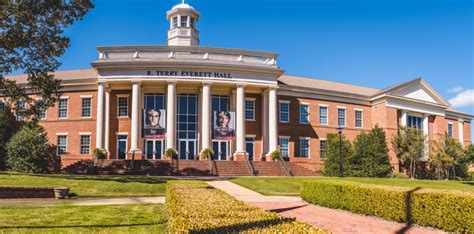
118, 106
126, 144
452, 129
361, 118
45, 112
309, 147
345, 116
279, 110
67, 107
304, 104
253, 110
288, 139
327, 114
81, 134
320, 155
57, 143
82, 107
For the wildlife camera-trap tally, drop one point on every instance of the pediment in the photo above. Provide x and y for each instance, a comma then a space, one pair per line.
418, 90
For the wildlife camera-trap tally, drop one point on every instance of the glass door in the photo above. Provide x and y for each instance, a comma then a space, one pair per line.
187, 149
122, 146
250, 146
221, 149
154, 149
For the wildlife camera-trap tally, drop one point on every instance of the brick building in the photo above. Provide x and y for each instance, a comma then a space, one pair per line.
142, 100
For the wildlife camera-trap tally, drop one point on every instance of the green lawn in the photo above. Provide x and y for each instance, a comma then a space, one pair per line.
147, 218
291, 185
92, 186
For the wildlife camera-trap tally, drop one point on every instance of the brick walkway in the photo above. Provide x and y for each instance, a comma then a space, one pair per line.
336, 221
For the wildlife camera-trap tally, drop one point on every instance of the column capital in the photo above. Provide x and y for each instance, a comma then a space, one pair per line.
101, 82
273, 88
240, 85
206, 83
172, 82
136, 81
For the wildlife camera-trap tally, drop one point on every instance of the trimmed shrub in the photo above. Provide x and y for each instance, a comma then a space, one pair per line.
171, 153
195, 207
446, 210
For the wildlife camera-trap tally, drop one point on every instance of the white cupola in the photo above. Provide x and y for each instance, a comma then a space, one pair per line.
183, 32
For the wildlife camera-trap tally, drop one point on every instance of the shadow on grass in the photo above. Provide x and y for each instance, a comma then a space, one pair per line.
120, 179
468, 183
409, 221
83, 226
234, 228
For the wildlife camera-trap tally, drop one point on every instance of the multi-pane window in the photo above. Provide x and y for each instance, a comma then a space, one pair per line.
284, 146
191, 22
304, 147
62, 107
322, 148
122, 110
414, 122
358, 119
284, 112
184, 21
450, 129
86, 108
249, 109
174, 21
41, 110
323, 115
61, 144
341, 117
304, 113
20, 107
2, 106
85, 144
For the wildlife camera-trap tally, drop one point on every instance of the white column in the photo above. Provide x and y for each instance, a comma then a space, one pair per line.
99, 140
403, 122
135, 115
426, 132
272, 120
264, 123
206, 114
107, 122
240, 119
171, 115
461, 132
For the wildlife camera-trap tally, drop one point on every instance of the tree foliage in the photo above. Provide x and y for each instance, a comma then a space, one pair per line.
8, 127
331, 164
29, 150
409, 146
31, 40
447, 158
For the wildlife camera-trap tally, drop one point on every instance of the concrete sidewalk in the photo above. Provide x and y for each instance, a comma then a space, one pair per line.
90, 201
334, 220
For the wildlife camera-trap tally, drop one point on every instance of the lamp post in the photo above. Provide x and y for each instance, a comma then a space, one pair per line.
339, 130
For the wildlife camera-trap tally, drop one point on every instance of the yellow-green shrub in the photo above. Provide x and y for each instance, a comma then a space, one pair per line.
447, 210
196, 207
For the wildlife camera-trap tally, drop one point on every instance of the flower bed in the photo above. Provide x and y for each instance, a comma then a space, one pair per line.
26, 192
447, 210
196, 207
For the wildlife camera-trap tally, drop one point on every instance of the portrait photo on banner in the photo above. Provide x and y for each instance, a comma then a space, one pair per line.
154, 123
224, 125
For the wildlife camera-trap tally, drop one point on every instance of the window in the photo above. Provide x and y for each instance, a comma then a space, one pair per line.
323, 115
184, 21
414, 122
284, 146
86, 108
322, 148
85, 144
62, 108
341, 117
61, 144
304, 147
20, 107
450, 129
284, 112
2, 106
358, 118
122, 110
191, 22
249, 109
304, 113
41, 110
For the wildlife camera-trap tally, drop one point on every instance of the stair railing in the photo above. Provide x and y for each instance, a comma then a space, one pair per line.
285, 166
250, 167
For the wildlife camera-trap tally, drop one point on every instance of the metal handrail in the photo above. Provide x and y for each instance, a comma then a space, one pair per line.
285, 166
250, 167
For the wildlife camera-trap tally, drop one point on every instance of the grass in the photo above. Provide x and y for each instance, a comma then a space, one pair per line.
290, 186
92, 186
147, 218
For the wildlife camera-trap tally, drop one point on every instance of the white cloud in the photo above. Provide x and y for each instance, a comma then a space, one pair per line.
463, 99
456, 89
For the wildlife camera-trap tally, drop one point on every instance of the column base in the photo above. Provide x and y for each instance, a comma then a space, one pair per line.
240, 156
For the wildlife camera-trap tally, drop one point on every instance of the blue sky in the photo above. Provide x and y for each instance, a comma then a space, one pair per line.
375, 43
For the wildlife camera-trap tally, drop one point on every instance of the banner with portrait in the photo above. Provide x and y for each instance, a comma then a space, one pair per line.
224, 125
154, 123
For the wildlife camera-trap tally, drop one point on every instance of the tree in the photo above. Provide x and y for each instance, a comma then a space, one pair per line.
8, 127
331, 164
31, 41
371, 158
470, 154
29, 150
448, 159
409, 146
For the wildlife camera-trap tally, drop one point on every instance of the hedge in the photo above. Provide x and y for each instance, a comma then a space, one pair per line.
446, 210
195, 207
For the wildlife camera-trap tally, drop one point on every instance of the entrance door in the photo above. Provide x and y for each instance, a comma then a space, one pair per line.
154, 149
221, 149
250, 146
187, 149
122, 146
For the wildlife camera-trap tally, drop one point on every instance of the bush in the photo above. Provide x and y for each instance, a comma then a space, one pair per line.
207, 153
276, 154
195, 207
450, 211
29, 150
171, 153
398, 175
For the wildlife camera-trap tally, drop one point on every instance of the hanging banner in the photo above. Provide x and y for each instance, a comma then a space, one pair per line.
154, 124
224, 125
